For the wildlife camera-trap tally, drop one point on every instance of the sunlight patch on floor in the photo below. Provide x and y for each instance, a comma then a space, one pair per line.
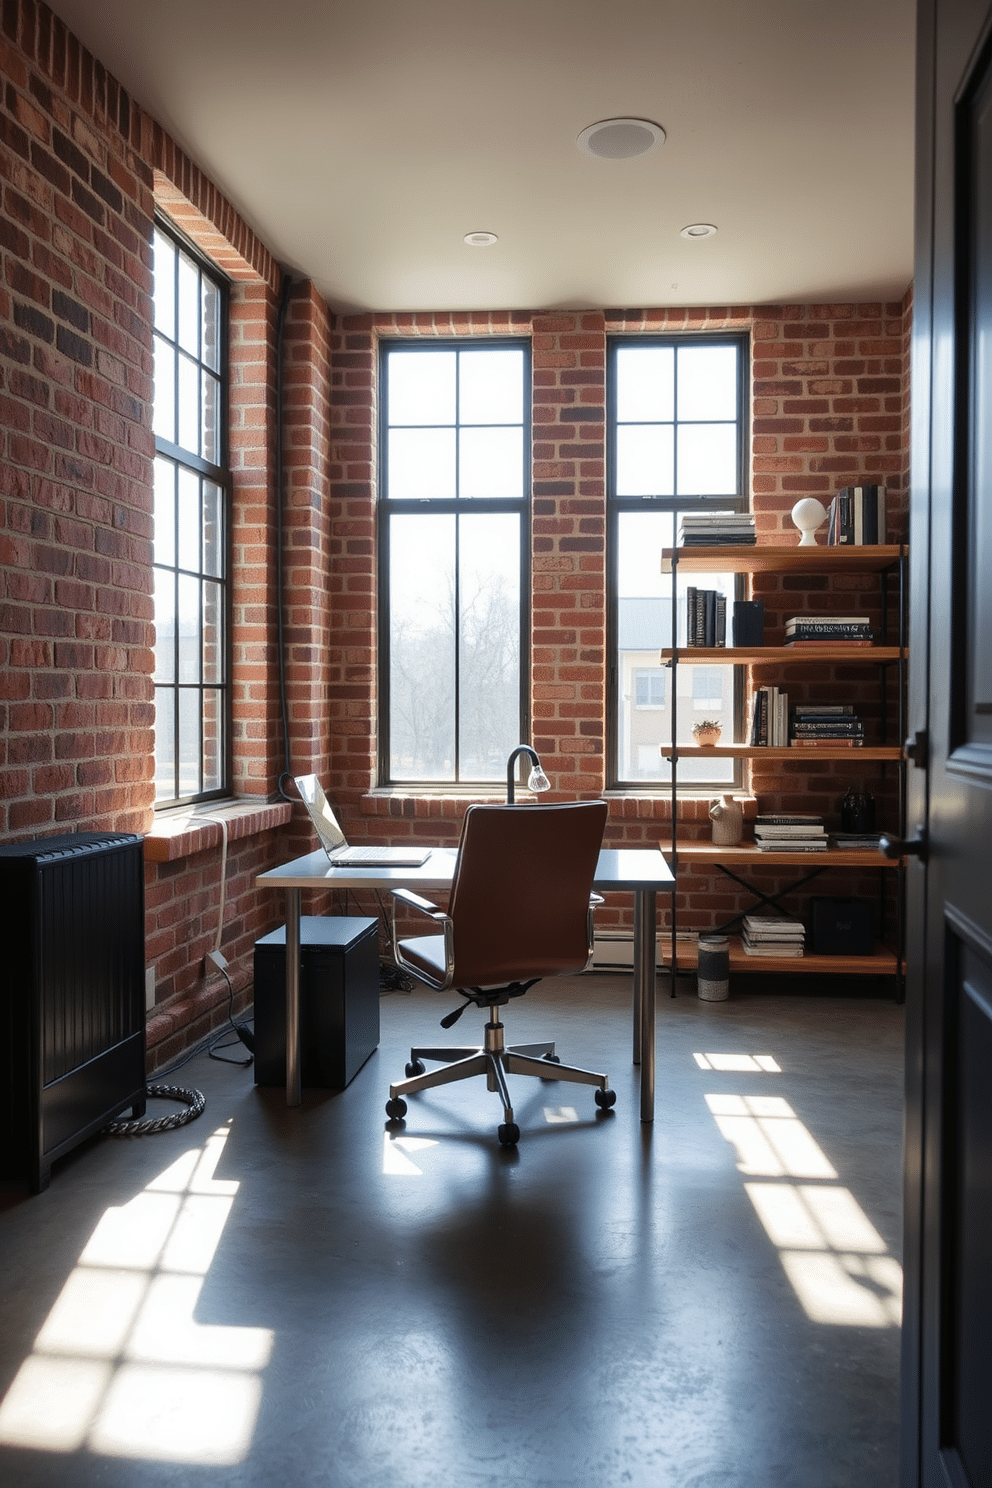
396, 1160
120, 1365
834, 1257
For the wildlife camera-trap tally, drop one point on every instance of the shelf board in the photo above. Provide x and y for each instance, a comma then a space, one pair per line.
784, 655
746, 853
884, 962
793, 752
762, 559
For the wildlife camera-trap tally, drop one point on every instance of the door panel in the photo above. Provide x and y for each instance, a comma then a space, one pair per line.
947, 1373
968, 1280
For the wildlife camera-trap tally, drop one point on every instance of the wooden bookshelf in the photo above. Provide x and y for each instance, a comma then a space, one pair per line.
746, 856
863, 752
784, 655
793, 559
883, 962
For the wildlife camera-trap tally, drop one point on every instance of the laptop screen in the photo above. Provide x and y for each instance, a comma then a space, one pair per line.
325, 822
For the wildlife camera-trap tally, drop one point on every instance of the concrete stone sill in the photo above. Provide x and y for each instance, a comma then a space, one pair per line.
182, 834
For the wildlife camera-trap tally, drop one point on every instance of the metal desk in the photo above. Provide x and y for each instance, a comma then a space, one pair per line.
638, 871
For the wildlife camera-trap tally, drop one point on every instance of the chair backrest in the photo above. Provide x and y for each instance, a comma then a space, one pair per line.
520, 895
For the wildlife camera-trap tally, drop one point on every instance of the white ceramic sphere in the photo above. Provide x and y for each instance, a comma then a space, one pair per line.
808, 515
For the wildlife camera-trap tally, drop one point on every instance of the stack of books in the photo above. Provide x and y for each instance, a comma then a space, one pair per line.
826, 723
706, 617
857, 517
773, 935
790, 833
716, 529
828, 630
856, 841
769, 718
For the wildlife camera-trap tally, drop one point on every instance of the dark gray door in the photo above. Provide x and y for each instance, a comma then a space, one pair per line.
947, 1376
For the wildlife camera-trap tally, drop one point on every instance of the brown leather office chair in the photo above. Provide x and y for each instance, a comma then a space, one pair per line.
520, 909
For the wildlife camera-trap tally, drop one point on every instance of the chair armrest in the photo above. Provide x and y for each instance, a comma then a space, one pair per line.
415, 901
406, 898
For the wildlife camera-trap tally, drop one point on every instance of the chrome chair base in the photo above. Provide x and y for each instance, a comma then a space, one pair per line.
494, 1060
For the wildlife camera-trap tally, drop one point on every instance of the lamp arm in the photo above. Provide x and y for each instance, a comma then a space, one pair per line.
512, 760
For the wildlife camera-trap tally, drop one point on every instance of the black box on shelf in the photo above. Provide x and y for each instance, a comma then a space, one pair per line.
841, 927
339, 1000
748, 622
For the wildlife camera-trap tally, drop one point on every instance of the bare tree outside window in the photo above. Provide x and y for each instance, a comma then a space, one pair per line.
454, 439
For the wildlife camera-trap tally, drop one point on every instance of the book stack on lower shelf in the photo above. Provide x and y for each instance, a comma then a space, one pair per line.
828, 630
856, 841
773, 935
832, 725
785, 833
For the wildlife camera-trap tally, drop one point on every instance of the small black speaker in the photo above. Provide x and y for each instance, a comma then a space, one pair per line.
841, 927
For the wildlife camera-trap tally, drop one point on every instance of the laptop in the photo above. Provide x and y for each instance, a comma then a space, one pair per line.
335, 844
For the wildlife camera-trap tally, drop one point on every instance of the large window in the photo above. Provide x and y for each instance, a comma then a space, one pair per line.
677, 443
455, 459
190, 528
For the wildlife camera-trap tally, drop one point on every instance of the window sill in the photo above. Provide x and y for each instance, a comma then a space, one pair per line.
183, 833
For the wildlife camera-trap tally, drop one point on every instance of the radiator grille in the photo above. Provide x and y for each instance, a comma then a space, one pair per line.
72, 1001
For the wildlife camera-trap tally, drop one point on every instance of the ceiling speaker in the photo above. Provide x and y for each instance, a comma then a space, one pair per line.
620, 139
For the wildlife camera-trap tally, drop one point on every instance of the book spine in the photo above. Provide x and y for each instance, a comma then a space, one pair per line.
827, 743
837, 726
858, 499
828, 641
871, 515
823, 710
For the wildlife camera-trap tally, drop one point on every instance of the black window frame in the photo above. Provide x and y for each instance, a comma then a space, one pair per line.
386, 507
219, 474
616, 505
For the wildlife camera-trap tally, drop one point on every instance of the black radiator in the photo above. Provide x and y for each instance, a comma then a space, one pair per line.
72, 994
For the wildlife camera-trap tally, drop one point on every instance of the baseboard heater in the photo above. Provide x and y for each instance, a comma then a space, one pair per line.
72, 995
616, 952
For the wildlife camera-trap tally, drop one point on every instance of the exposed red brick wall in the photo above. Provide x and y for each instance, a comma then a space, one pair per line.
75, 425
81, 170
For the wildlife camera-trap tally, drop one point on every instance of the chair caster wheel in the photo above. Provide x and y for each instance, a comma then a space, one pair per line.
415, 1067
396, 1109
606, 1099
509, 1134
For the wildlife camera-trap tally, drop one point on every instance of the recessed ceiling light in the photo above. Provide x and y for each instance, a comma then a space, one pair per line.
620, 139
698, 230
480, 239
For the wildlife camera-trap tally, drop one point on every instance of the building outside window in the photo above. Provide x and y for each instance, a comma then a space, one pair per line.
453, 513
676, 443
649, 687
191, 497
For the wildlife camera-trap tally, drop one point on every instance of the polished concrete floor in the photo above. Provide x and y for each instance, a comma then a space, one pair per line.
284, 1297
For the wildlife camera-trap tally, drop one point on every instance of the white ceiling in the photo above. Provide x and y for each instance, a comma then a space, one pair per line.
363, 139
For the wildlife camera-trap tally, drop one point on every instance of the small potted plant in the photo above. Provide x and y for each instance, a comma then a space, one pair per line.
706, 732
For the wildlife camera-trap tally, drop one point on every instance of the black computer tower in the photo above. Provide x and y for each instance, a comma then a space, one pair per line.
339, 1000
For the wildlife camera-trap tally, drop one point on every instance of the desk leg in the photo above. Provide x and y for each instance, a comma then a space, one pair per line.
294, 1091
645, 934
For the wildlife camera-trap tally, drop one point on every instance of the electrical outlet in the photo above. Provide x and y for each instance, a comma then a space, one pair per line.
215, 961
149, 988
